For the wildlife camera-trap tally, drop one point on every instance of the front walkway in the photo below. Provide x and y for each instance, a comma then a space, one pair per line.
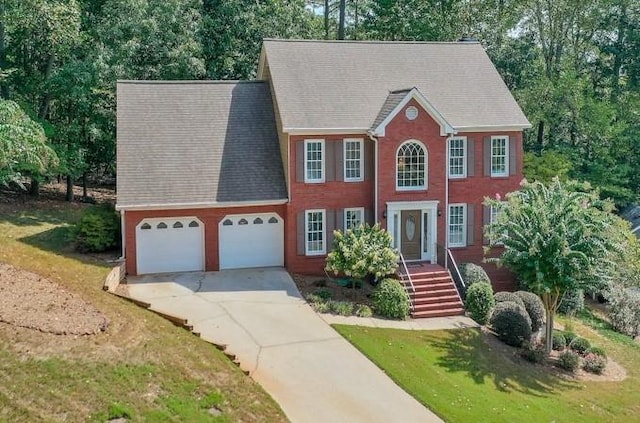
307, 367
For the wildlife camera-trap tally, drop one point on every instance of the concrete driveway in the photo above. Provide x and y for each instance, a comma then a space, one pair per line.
307, 367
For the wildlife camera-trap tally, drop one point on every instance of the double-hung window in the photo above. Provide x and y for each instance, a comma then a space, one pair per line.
499, 156
494, 212
457, 225
353, 218
315, 232
457, 157
314, 161
353, 163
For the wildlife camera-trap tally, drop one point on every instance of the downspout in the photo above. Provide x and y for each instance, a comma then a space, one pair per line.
375, 175
446, 205
122, 237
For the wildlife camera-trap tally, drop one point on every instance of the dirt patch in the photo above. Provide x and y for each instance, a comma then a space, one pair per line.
312, 284
33, 302
614, 372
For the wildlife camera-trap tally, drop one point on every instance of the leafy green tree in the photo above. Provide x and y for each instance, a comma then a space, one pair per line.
546, 166
23, 145
557, 238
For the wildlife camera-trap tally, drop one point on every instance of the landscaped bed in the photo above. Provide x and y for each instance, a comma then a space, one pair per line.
468, 375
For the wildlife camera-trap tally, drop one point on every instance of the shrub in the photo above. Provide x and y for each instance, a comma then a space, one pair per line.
569, 360
472, 273
391, 300
479, 301
580, 345
363, 310
535, 308
572, 302
503, 296
511, 323
569, 336
624, 310
325, 294
593, 363
597, 351
342, 308
322, 307
534, 353
558, 341
362, 251
98, 230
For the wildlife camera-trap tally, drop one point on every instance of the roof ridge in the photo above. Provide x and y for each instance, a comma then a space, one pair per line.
187, 82
300, 40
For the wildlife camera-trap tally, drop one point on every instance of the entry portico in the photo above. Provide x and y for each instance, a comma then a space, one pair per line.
413, 228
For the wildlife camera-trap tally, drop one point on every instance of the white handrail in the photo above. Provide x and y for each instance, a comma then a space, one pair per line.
455, 268
406, 270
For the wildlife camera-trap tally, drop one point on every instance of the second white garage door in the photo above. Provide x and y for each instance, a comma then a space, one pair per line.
251, 240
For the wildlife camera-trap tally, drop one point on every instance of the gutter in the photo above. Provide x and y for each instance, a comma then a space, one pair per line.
122, 237
375, 176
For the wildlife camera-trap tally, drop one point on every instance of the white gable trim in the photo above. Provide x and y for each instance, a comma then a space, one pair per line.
493, 128
445, 127
326, 131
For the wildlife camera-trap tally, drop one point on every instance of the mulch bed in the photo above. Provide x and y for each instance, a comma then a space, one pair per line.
311, 284
33, 302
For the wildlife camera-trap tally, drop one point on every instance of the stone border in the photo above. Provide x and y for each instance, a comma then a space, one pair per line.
115, 276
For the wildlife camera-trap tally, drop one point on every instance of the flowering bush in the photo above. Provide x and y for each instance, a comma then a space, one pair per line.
593, 363
365, 250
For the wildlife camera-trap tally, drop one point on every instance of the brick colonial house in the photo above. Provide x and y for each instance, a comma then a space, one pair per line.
231, 174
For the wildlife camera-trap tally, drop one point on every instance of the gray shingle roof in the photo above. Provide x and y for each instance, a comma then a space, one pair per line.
393, 99
196, 143
342, 84
632, 214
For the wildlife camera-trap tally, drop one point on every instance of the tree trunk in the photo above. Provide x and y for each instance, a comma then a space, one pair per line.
548, 333
326, 19
343, 6
84, 187
46, 97
34, 188
4, 88
355, 25
69, 196
540, 136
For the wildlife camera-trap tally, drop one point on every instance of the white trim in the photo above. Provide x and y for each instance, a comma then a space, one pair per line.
636, 229
493, 128
123, 238
203, 205
507, 153
352, 209
414, 93
426, 167
464, 157
261, 60
323, 153
394, 208
325, 131
324, 232
464, 225
360, 142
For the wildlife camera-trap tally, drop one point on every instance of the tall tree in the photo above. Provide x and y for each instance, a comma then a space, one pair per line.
558, 238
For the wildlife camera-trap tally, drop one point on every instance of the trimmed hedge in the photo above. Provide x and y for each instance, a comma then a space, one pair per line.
511, 323
597, 351
535, 308
472, 273
558, 341
391, 300
594, 363
503, 296
479, 302
569, 360
580, 345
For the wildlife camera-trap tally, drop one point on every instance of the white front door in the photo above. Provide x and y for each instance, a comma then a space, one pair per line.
251, 240
413, 229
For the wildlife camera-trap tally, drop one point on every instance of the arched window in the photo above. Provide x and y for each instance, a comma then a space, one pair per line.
162, 225
145, 226
257, 221
178, 225
193, 224
411, 168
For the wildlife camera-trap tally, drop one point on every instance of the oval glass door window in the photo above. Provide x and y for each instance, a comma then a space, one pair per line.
410, 228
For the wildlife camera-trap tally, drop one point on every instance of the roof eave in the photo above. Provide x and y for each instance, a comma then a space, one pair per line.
200, 205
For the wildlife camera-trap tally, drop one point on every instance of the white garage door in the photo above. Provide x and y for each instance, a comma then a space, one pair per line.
170, 245
251, 240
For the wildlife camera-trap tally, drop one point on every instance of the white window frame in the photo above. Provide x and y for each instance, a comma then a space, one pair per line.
353, 210
425, 170
360, 143
506, 155
322, 231
493, 215
464, 158
322, 161
464, 225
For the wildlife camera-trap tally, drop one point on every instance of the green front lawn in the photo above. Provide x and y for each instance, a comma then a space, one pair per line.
142, 366
462, 379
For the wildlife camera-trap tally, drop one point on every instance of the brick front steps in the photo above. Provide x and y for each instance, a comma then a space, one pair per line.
435, 292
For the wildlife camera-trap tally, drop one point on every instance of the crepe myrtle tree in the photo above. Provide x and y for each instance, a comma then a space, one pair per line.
558, 238
362, 251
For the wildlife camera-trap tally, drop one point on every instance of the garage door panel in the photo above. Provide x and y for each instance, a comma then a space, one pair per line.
255, 240
170, 245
